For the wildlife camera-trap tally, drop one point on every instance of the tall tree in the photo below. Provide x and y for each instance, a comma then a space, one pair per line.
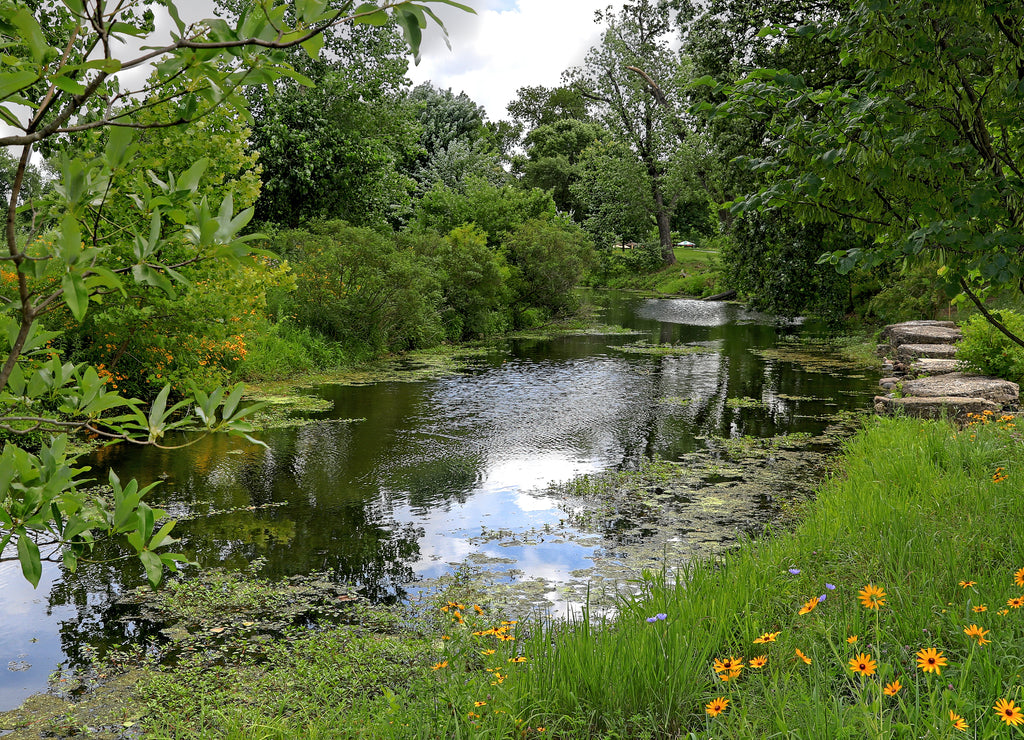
921, 151
637, 38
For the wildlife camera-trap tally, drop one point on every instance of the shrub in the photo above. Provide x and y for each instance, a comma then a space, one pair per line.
547, 259
987, 350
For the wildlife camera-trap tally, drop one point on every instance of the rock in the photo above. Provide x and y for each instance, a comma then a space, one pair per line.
908, 353
996, 390
908, 327
882, 349
889, 383
936, 407
934, 366
900, 334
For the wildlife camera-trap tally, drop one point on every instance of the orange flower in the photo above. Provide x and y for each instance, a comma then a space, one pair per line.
968, 584
871, 596
930, 660
891, 689
851, 639
979, 608
1009, 713
759, 661
977, 633
1016, 602
728, 665
1018, 577
766, 637
716, 706
863, 664
810, 606
958, 722
442, 664
804, 658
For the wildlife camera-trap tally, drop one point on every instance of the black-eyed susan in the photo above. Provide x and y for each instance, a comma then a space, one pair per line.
438, 666
810, 606
477, 609
716, 706
730, 675
487, 652
1008, 712
977, 633
1003, 612
766, 637
727, 665
959, 723
863, 664
891, 689
851, 639
804, 658
1018, 577
930, 660
979, 608
1016, 602
966, 584
871, 596
479, 704
759, 661
518, 659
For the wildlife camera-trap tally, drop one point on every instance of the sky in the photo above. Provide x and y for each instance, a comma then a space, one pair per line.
506, 45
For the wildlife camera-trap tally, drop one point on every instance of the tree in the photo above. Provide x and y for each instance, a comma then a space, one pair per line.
554, 152
921, 151
537, 105
59, 78
338, 149
637, 39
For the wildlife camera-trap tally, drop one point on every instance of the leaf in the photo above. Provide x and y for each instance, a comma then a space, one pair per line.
15, 81
154, 567
75, 294
28, 554
72, 87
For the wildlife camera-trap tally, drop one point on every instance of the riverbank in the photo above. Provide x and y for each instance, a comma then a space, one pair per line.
913, 508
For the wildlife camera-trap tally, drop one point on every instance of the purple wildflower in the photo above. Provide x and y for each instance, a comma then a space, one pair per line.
795, 571
830, 586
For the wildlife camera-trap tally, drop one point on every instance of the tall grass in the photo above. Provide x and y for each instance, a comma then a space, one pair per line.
926, 514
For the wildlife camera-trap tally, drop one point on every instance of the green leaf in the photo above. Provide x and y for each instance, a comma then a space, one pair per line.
118, 142
28, 555
15, 82
68, 85
75, 294
154, 567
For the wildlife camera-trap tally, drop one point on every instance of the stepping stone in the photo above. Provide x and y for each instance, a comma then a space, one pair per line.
907, 353
900, 334
889, 383
996, 390
934, 366
937, 407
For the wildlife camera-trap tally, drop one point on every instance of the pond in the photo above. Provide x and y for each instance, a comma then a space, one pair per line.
412, 479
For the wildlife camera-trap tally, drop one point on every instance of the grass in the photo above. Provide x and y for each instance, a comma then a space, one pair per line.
921, 516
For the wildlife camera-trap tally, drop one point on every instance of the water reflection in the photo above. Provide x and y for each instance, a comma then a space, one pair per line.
403, 481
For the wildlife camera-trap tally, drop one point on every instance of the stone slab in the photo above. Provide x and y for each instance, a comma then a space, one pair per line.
886, 333
899, 335
907, 353
934, 366
889, 383
996, 390
935, 408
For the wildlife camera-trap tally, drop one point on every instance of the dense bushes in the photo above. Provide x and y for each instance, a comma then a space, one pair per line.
987, 350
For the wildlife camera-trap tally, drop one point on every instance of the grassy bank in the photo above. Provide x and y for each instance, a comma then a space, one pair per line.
917, 510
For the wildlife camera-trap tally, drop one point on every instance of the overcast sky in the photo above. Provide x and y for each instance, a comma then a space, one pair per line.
506, 45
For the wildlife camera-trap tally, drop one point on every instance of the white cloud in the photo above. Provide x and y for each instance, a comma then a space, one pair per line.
507, 45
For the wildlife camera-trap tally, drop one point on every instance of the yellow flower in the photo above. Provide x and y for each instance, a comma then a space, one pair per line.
1008, 713
977, 633
872, 597
479, 703
930, 660
487, 652
979, 608
1016, 602
1003, 612
728, 665
863, 664
968, 584
442, 664
810, 606
716, 706
477, 609
759, 661
766, 637
891, 689
958, 722
1018, 577
804, 658
851, 639
520, 659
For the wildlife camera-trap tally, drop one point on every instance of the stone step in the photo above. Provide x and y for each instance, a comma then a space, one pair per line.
937, 407
934, 366
902, 334
908, 353
962, 385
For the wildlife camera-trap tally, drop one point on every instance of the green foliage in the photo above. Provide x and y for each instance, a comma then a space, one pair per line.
989, 351
357, 288
910, 294
474, 282
547, 259
919, 151
59, 79
496, 210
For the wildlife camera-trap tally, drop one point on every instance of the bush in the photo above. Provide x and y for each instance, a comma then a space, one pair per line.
547, 259
987, 350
